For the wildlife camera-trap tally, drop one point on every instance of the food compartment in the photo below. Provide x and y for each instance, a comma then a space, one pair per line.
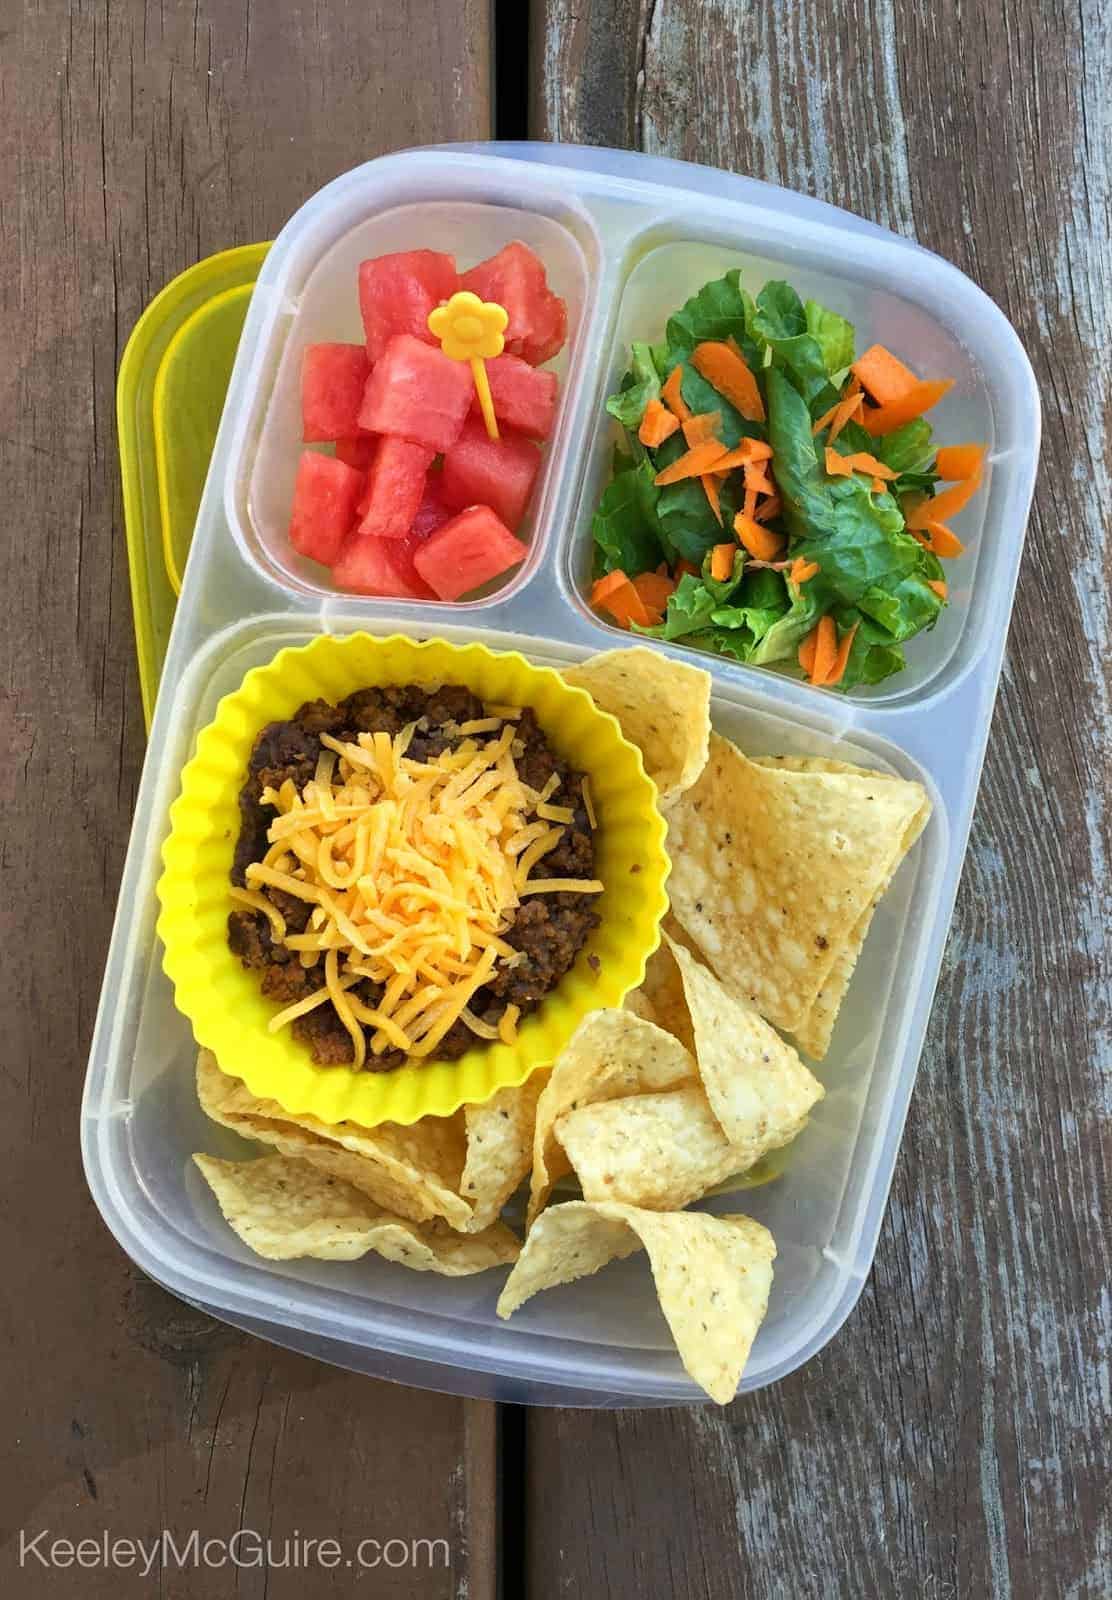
602, 1341
927, 313
316, 299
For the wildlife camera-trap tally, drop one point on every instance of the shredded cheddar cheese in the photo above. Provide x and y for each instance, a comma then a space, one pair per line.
414, 870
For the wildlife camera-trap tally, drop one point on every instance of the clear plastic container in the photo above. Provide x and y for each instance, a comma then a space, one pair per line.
626, 238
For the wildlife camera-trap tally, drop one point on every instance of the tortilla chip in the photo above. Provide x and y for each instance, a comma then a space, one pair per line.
773, 868
662, 990
412, 1171
639, 1003
611, 1054
814, 1031
499, 1148
663, 707
758, 1088
659, 1151
712, 1274
284, 1209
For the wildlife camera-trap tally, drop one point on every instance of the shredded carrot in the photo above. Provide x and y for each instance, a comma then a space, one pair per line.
657, 424
673, 397
883, 419
801, 570
625, 605
945, 504
749, 505
883, 375
746, 451
766, 512
722, 561
838, 465
686, 568
956, 462
806, 652
940, 587
838, 415
755, 478
945, 544
704, 426
710, 482
725, 369
761, 544
826, 649
693, 463
878, 486
845, 645
654, 589
606, 585
862, 461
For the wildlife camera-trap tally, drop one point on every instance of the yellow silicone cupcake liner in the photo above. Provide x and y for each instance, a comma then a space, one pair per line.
223, 1001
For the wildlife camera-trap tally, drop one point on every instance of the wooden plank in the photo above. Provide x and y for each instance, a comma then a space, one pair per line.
136, 138
950, 1441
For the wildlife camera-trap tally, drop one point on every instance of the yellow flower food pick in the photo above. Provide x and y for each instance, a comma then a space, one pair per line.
470, 329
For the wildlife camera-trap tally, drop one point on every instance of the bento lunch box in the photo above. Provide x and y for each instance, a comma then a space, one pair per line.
625, 239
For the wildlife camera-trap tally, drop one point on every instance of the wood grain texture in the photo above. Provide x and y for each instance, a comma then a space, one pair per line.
134, 139
952, 1441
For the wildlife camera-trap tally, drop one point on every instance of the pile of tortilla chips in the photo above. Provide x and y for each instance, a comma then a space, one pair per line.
777, 866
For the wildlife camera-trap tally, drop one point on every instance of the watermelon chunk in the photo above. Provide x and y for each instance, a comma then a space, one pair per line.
397, 292
467, 552
385, 566
324, 499
394, 488
524, 399
480, 471
357, 452
414, 392
333, 377
515, 278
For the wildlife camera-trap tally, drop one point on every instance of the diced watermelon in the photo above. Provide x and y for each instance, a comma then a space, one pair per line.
467, 552
385, 566
324, 500
333, 378
415, 393
524, 399
357, 452
397, 292
515, 278
394, 489
480, 471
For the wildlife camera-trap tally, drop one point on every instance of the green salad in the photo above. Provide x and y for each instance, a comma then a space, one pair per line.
776, 498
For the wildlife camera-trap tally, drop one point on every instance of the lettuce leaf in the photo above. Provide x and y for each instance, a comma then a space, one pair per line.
693, 602
833, 335
780, 323
625, 527
640, 385
721, 310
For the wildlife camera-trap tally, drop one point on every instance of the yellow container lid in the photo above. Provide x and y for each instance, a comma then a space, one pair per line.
169, 396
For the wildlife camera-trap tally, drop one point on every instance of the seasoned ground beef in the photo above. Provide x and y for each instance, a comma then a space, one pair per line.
549, 929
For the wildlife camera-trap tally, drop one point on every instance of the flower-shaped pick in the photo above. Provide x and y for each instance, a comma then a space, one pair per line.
470, 329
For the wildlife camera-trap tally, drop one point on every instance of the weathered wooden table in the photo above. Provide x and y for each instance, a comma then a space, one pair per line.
952, 1441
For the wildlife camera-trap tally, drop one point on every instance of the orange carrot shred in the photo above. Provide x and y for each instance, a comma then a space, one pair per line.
862, 461
947, 503
838, 465
841, 413
654, 590
770, 508
925, 394
755, 478
761, 543
845, 645
625, 605
657, 424
709, 481
883, 375
673, 397
722, 561
749, 450
606, 585
693, 463
801, 570
749, 507
878, 486
806, 653
826, 649
725, 369
956, 462
945, 544
940, 587
686, 569
704, 426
